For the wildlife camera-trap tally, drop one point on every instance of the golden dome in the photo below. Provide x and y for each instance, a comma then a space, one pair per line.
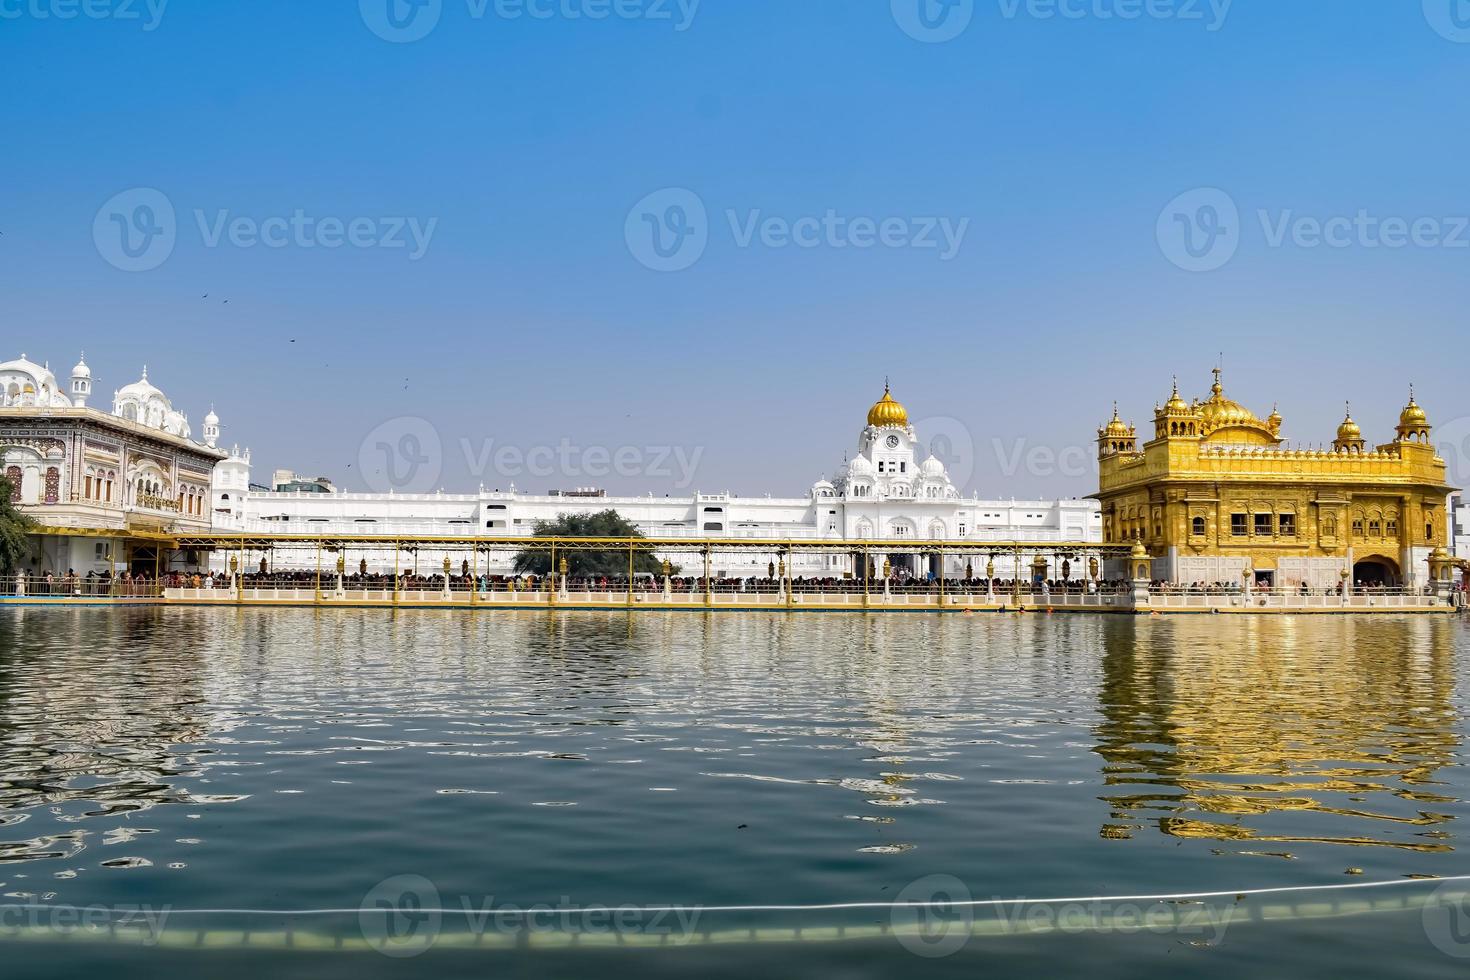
1117, 428
887, 412
1349, 431
1413, 415
1176, 404
1223, 413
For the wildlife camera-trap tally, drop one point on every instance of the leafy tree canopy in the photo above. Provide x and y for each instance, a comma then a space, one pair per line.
611, 562
15, 531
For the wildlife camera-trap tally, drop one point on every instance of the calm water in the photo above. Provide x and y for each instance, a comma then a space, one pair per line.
222, 759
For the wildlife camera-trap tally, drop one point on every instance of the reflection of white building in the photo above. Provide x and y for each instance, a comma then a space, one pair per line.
105, 484
889, 492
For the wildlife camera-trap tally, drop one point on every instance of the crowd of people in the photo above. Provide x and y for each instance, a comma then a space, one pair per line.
1262, 588
650, 584
129, 583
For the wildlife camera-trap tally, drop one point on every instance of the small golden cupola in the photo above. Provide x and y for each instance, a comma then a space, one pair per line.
887, 413
1413, 422
1349, 435
1176, 418
1117, 436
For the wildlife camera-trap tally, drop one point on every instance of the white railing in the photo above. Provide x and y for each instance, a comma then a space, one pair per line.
75, 587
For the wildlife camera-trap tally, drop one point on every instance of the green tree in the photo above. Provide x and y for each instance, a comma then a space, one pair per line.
608, 561
15, 531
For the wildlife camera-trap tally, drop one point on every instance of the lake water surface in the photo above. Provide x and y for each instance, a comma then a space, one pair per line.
195, 760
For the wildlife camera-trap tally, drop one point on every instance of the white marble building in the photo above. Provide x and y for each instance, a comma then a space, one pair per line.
890, 491
108, 485
1460, 526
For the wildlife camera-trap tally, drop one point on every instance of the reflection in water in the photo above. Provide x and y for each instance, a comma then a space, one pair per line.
298, 757
1251, 729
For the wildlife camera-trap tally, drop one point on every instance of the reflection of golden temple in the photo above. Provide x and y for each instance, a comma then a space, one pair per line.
1238, 726
1216, 493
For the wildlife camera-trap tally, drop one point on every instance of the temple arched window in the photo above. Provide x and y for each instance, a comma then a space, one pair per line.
1199, 527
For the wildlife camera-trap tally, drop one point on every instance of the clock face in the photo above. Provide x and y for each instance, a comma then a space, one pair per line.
893, 442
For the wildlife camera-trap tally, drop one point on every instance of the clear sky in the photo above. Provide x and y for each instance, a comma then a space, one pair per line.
705, 233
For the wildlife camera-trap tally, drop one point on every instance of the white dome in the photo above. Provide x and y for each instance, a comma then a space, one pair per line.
861, 466
142, 390
144, 403
932, 467
81, 370
211, 418
24, 382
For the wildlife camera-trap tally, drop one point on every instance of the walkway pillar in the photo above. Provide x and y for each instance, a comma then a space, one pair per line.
1141, 567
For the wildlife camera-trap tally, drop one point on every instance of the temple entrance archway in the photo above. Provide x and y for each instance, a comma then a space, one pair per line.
1376, 570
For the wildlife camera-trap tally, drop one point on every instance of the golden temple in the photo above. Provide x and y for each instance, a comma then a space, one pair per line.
1216, 496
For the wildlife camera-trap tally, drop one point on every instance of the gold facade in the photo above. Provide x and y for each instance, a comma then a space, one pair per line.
1217, 495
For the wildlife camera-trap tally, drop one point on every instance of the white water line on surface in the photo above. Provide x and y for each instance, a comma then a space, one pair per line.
829, 907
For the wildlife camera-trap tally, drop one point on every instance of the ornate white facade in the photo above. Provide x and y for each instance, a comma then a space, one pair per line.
889, 492
106, 484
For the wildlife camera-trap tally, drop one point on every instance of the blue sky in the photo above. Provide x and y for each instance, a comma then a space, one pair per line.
1067, 149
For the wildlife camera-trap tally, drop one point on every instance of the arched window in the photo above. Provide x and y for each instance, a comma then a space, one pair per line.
1199, 527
